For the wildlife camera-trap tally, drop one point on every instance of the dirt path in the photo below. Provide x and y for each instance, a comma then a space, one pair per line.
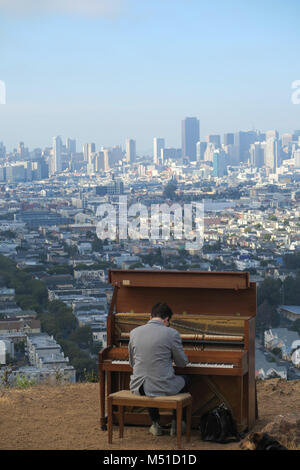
67, 417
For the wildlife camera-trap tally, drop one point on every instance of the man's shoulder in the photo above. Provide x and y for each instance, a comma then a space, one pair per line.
137, 329
173, 332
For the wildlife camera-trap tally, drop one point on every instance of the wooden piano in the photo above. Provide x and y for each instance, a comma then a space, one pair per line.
214, 312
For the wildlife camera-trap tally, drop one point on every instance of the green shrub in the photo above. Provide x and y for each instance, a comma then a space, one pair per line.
24, 382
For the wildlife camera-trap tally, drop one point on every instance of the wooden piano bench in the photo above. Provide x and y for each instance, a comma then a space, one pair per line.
173, 402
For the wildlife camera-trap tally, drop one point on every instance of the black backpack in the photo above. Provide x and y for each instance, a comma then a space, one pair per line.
218, 425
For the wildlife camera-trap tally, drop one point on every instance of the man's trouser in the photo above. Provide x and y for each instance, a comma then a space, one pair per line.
154, 412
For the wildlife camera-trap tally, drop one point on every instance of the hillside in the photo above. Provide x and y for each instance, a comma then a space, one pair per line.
67, 417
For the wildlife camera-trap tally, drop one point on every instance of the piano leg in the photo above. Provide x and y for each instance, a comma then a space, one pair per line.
103, 419
256, 405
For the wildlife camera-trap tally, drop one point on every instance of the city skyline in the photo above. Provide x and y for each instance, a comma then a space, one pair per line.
75, 145
83, 72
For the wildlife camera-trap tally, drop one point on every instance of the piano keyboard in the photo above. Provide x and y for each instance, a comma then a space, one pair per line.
193, 364
210, 364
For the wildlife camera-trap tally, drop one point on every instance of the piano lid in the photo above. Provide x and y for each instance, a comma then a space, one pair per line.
187, 292
179, 279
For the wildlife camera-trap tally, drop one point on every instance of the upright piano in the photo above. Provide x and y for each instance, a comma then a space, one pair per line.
214, 313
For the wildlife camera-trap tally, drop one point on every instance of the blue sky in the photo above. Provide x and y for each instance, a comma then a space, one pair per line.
105, 70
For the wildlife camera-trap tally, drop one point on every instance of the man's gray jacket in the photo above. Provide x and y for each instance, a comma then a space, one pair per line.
152, 349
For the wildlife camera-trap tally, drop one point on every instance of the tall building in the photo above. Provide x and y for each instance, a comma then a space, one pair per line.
71, 145
190, 135
297, 158
2, 150
242, 142
296, 135
158, 145
286, 139
22, 151
231, 151
214, 139
209, 152
272, 134
116, 155
272, 153
220, 162
169, 153
102, 160
91, 150
228, 139
130, 150
200, 150
257, 154
56, 166
88, 150
85, 152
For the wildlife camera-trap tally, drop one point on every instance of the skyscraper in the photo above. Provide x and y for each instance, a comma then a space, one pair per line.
88, 149
102, 160
297, 158
158, 144
200, 150
190, 135
257, 154
209, 152
71, 145
272, 134
242, 142
220, 162
214, 139
228, 139
296, 135
272, 153
91, 150
130, 150
2, 150
56, 166
116, 155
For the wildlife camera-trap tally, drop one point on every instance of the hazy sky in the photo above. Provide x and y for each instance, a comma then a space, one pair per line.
104, 70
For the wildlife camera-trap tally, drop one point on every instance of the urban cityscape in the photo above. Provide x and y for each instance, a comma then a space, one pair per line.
55, 294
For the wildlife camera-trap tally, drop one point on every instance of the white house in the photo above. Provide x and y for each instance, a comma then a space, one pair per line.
296, 357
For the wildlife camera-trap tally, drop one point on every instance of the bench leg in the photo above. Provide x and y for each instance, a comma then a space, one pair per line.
121, 420
109, 420
179, 419
188, 422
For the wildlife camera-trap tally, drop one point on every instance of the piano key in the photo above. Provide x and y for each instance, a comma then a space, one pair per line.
191, 364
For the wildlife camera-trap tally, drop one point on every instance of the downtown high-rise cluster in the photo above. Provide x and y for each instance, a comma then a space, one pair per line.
213, 153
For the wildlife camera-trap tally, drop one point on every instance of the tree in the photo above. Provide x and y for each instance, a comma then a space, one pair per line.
97, 245
267, 316
170, 191
269, 290
291, 290
292, 261
83, 337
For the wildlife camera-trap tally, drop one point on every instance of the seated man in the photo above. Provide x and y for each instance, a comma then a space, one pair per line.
152, 350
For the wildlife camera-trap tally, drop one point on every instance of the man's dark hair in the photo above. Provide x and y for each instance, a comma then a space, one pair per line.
162, 311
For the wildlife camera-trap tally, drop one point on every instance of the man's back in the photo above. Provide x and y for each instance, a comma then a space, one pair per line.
152, 348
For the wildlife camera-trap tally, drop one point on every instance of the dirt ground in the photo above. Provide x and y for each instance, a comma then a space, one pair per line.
66, 417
